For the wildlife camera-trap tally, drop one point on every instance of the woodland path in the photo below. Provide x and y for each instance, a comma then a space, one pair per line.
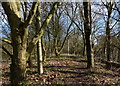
67, 71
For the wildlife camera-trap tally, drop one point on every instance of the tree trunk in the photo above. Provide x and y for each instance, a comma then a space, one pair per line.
119, 55
49, 48
90, 62
43, 49
18, 61
18, 65
57, 53
39, 57
30, 62
55, 46
108, 41
83, 45
87, 29
109, 10
19, 33
39, 44
92, 53
118, 59
104, 51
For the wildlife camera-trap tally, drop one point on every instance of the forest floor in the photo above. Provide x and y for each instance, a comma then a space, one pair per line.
67, 71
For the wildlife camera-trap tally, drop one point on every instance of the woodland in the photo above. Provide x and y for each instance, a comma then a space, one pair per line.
60, 43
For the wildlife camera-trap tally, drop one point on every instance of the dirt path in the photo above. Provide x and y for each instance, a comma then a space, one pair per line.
69, 71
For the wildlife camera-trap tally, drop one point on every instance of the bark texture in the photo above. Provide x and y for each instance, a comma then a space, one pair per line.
19, 33
87, 29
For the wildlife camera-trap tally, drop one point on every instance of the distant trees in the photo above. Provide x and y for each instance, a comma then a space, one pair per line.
109, 6
59, 40
77, 18
111, 23
106, 33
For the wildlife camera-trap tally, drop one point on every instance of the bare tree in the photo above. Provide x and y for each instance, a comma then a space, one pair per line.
87, 29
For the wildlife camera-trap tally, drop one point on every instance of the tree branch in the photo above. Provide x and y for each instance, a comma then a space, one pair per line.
75, 23
41, 30
6, 41
6, 51
106, 15
29, 19
66, 37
